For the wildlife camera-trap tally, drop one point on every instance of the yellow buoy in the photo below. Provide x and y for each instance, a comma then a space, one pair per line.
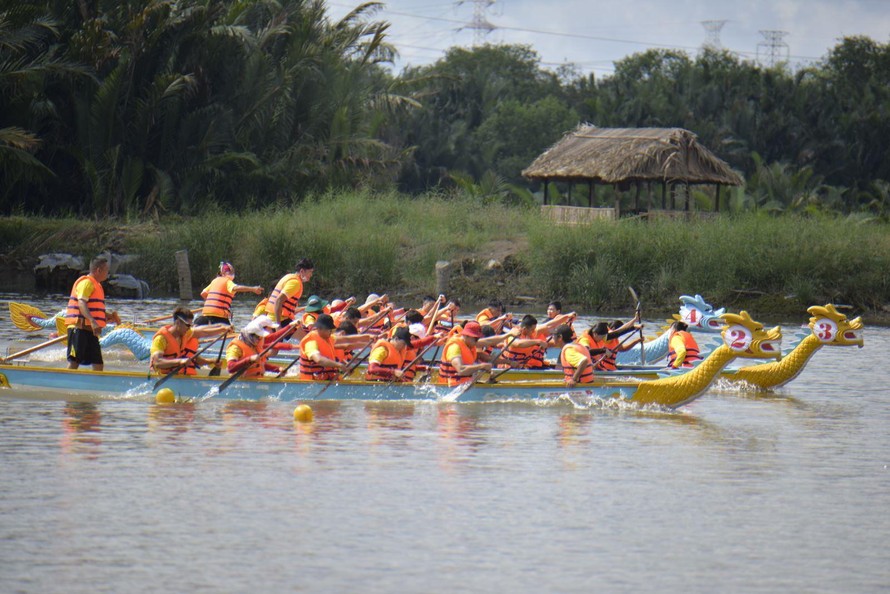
303, 413
165, 396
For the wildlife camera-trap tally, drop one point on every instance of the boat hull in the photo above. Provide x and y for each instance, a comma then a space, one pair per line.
121, 385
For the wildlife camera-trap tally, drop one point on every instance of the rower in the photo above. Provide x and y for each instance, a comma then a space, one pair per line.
528, 345
347, 340
683, 350
175, 345
603, 342
315, 305
388, 357
577, 367
419, 341
245, 350
218, 296
458, 364
318, 354
287, 292
554, 310
494, 315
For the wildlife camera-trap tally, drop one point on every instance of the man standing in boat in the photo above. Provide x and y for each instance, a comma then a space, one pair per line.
218, 296
85, 317
283, 301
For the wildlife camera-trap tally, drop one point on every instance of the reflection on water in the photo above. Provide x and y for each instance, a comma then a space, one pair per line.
81, 428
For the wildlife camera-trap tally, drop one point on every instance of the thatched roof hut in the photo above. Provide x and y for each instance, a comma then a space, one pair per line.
621, 155
629, 157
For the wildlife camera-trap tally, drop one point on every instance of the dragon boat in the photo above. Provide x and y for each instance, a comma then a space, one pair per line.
742, 336
695, 311
828, 327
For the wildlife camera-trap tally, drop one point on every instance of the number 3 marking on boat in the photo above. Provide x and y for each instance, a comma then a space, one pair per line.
825, 329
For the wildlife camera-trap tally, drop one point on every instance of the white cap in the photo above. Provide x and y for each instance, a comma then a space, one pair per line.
372, 297
261, 326
417, 330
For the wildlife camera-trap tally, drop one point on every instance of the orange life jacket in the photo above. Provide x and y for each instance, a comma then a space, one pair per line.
569, 371
603, 362
95, 303
393, 361
311, 370
219, 299
692, 351
409, 371
257, 368
309, 318
447, 372
485, 316
175, 349
288, 307
526, 357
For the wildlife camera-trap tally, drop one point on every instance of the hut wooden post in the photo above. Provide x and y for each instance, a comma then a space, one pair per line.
617, 202
590, 194
570, 193
686, 188
637, 198
673, 196
648, 196
664, 189
546, 184
717, 200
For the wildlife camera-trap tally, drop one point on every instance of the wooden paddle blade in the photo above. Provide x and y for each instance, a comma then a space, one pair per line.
62, 329
21, 314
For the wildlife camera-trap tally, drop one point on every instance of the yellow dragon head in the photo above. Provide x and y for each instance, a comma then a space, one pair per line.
832, 328
747, 338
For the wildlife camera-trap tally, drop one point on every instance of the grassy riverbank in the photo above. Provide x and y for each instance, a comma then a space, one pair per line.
386, 242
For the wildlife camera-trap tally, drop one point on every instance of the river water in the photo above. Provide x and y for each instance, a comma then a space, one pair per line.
737, 492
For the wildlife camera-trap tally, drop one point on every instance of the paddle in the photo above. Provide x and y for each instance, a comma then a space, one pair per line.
34, 348
494, 376
215, 370
638, 312
412, 363
605, 354
241, 371
159, 318
284, 371
356, 361
182, 366
475, 378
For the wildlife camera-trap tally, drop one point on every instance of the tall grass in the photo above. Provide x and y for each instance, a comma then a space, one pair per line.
360, 242
729, 260
363, 242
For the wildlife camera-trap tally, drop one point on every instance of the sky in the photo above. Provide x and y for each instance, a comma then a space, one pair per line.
593, 34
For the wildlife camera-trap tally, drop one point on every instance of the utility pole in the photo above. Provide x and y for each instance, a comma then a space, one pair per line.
480, 25
773, 49
712, 39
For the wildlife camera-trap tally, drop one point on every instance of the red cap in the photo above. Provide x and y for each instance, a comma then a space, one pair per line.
472, 329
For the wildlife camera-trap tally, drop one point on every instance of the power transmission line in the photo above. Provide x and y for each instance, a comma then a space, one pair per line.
712, 40
479, 24
774, 49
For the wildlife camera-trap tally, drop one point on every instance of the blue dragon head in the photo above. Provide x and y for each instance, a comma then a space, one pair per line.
700, 315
